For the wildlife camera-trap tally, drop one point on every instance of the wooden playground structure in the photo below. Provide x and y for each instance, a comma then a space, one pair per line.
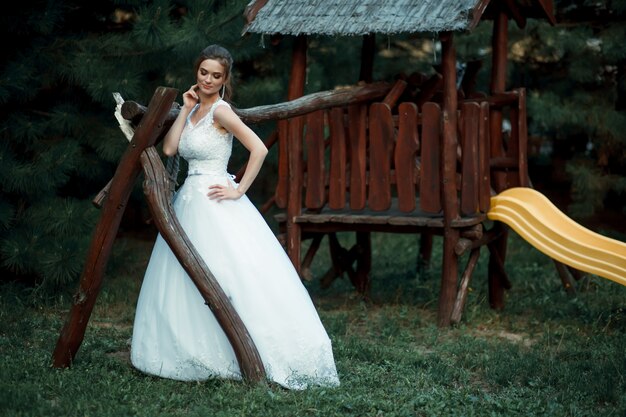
423, 155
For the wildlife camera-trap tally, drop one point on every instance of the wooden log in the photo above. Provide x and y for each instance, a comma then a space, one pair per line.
295, 91
430, 178
428, 89
338, 97
337, 181
516, 13
317, 101
495, 100
156, 189
381, 139
310, 254
450, 204
405, 156
461, 298
342, 261
102, 240
364, 263
566, 278
497, 275
425, 251
394, 94
468, 84
315, 184
470, 167
357, 129
473, 233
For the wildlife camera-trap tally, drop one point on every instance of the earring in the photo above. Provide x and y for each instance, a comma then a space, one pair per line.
223, 91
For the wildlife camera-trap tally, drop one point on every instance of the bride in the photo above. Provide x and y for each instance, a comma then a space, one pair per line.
175, 334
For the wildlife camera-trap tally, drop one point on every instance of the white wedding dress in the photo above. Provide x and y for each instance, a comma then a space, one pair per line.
176, 335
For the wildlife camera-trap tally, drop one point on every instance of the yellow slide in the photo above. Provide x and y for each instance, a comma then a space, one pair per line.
548, 229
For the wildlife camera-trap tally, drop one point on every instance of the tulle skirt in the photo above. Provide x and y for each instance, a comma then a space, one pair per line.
175, 334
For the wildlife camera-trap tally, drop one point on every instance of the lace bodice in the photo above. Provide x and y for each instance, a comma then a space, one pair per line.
206, 149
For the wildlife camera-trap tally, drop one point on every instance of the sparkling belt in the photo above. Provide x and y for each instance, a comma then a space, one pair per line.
214, 173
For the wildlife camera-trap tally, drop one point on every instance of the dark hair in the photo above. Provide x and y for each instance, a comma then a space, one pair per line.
221, 55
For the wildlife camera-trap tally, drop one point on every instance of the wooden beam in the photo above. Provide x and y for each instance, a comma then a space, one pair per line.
548, 8
250, 12
449, 274
296, 90
104, 235
477, 13
516, 13
156, 189
294, 107
461, 298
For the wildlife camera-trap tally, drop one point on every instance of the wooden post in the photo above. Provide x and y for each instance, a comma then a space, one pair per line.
296, 90
102, 241
498, 85
290, 153
449, 275
156, 186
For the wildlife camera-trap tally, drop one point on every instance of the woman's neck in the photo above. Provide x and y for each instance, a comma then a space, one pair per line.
208, 100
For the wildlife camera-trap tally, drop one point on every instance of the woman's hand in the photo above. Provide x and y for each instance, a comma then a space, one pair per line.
221, 192
190, 97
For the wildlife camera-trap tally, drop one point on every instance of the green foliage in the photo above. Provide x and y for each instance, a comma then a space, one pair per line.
59, 142
576, 76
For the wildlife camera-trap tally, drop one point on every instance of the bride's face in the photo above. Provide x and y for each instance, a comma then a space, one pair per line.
211, 76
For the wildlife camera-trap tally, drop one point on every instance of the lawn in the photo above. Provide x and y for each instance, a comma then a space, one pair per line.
546, 354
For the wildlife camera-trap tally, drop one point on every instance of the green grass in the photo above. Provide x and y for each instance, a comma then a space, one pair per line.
546, 354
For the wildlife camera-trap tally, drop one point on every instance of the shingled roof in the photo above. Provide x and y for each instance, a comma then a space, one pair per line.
358, 17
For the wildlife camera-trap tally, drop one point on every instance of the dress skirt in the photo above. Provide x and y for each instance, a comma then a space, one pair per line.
176, 335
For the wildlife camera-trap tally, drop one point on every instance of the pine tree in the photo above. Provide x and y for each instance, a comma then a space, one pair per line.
59, 140
576, 76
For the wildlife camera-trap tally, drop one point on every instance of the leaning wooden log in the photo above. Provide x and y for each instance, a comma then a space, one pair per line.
288, 109
102, 241
156, 188
459, 303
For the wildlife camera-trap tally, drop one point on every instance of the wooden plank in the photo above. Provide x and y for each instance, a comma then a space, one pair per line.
357, 125
315, 184
337, 180
406, 149
430, 191
484, 192
469, 171
381, 140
